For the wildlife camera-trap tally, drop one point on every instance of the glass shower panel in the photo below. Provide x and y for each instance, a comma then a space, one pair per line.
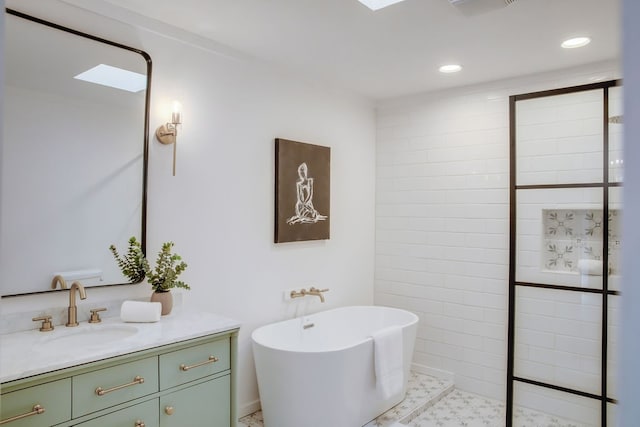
559, 338
616, 161
615, 238
613, 335
559, 139
612, 414
559, 237
538, 406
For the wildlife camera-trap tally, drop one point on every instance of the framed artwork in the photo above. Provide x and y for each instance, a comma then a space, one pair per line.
302, 194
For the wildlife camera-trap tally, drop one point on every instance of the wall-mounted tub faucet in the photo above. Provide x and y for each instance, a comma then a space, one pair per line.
312, 291
73, 310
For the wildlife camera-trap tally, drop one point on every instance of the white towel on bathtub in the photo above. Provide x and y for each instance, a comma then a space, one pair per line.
387, 358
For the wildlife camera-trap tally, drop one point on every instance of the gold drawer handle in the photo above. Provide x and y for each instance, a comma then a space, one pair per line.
36, 410
137, 380
139, 424
169, 410
211, 359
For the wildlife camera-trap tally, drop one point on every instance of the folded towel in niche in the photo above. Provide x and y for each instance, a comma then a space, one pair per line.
140, 312
590, 267
387, 358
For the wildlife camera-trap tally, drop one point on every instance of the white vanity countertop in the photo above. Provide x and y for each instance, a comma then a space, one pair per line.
28, 353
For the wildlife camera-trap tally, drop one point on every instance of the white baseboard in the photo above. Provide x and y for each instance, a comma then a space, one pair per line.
248, 408
434, 372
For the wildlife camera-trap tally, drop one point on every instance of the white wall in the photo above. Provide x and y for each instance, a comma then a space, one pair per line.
1, 103
219, 208
630, 344
442, 220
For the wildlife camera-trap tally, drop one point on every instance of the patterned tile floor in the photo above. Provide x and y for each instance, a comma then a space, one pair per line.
460, 408
432, 402
421, 389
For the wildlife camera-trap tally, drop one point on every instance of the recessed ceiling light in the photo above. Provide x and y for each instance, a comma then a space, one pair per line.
378, 4
106, 75
450, 68
575, 42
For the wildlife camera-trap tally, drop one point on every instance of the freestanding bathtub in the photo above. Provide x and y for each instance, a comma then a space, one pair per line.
318, 370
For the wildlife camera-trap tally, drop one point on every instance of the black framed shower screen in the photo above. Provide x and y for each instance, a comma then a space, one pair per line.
521, 188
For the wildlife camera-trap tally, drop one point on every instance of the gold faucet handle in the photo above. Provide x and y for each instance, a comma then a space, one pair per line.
95, 317
298, 294
46, 323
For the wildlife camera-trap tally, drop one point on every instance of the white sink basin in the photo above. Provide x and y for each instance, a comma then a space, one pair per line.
90, 336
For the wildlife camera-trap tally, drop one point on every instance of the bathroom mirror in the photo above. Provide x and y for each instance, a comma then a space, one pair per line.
74, 156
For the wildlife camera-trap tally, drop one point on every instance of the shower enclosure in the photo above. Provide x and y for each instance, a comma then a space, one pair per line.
566, 172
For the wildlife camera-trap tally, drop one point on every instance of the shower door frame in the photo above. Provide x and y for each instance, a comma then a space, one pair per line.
514, 284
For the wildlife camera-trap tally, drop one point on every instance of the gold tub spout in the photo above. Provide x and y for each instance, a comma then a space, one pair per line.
73, 310
317, 292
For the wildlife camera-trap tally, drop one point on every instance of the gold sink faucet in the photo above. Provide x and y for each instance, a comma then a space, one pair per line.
58, 279
73, 310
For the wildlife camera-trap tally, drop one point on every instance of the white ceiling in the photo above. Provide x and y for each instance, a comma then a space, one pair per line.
397, 50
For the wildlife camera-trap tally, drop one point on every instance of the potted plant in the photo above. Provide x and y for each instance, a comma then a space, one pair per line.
162, 277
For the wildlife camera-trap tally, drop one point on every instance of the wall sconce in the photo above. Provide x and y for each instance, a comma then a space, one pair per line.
168, 132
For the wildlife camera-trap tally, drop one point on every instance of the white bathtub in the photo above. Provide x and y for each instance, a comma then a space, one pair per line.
323, 375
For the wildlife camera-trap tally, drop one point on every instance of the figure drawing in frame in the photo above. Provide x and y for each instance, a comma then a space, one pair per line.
305, 212
302, 193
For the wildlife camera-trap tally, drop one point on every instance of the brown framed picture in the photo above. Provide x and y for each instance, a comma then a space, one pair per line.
302, 194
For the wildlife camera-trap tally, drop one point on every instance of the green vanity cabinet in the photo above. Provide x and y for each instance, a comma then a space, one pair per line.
188, 383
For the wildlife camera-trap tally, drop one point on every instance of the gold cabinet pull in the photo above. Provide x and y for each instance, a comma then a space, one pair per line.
139, 423
169, 410
36, 410
211, 359
137, 380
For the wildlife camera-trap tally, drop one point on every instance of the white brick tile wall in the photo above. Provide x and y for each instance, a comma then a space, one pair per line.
442, 224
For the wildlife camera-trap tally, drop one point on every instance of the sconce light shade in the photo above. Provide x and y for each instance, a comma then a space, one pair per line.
168, 132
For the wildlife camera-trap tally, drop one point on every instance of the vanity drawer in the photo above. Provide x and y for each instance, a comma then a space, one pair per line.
145, 413
110, 386
205, 404
182, 366
53, 397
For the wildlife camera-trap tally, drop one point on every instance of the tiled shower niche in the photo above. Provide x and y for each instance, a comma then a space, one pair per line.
572, 241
